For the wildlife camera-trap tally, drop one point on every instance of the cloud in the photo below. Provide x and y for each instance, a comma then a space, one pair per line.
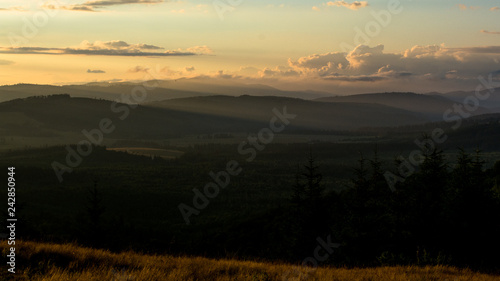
116, 45
370, 64
16, 8
109, 48
164, 71
189, 71
97, 71
200, 50
6, 62
361, 78
314, 8
365, 69
490, 32
370, 68
320, 64
494, 8
279, 71
464, 7
353, 6
436, 65
170, 72
138, 69
91, 6
477, 50
223, 75
249, 71
276, 6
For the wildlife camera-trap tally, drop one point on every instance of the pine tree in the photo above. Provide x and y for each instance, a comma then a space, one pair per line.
309, 209
95, 210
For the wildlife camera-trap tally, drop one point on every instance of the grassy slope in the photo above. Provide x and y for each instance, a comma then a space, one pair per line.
41, 261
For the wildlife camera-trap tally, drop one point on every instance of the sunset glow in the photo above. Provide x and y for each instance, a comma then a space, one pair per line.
335, 46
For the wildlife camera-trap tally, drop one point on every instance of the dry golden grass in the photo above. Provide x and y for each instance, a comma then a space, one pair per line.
57, 262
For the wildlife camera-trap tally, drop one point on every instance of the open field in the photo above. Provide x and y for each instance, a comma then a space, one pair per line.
8, 142
43, 261
150, 152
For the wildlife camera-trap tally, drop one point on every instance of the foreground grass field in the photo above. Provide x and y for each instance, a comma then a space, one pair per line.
43, 261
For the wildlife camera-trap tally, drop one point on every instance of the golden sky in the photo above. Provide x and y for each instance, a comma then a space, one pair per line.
335, 46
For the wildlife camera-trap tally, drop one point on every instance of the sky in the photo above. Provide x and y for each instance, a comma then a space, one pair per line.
341, 47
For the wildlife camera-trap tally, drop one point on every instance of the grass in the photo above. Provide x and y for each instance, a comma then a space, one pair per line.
45, 261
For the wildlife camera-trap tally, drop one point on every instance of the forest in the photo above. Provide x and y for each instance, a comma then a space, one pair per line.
445, 213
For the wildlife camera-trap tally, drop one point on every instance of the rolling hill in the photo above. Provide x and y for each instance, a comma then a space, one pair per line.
433, 106
52, 115
55, 115
311, 115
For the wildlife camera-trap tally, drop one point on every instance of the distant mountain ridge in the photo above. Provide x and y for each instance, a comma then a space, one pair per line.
56, 115
156, 90
491, 102
432, 106
184, 110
